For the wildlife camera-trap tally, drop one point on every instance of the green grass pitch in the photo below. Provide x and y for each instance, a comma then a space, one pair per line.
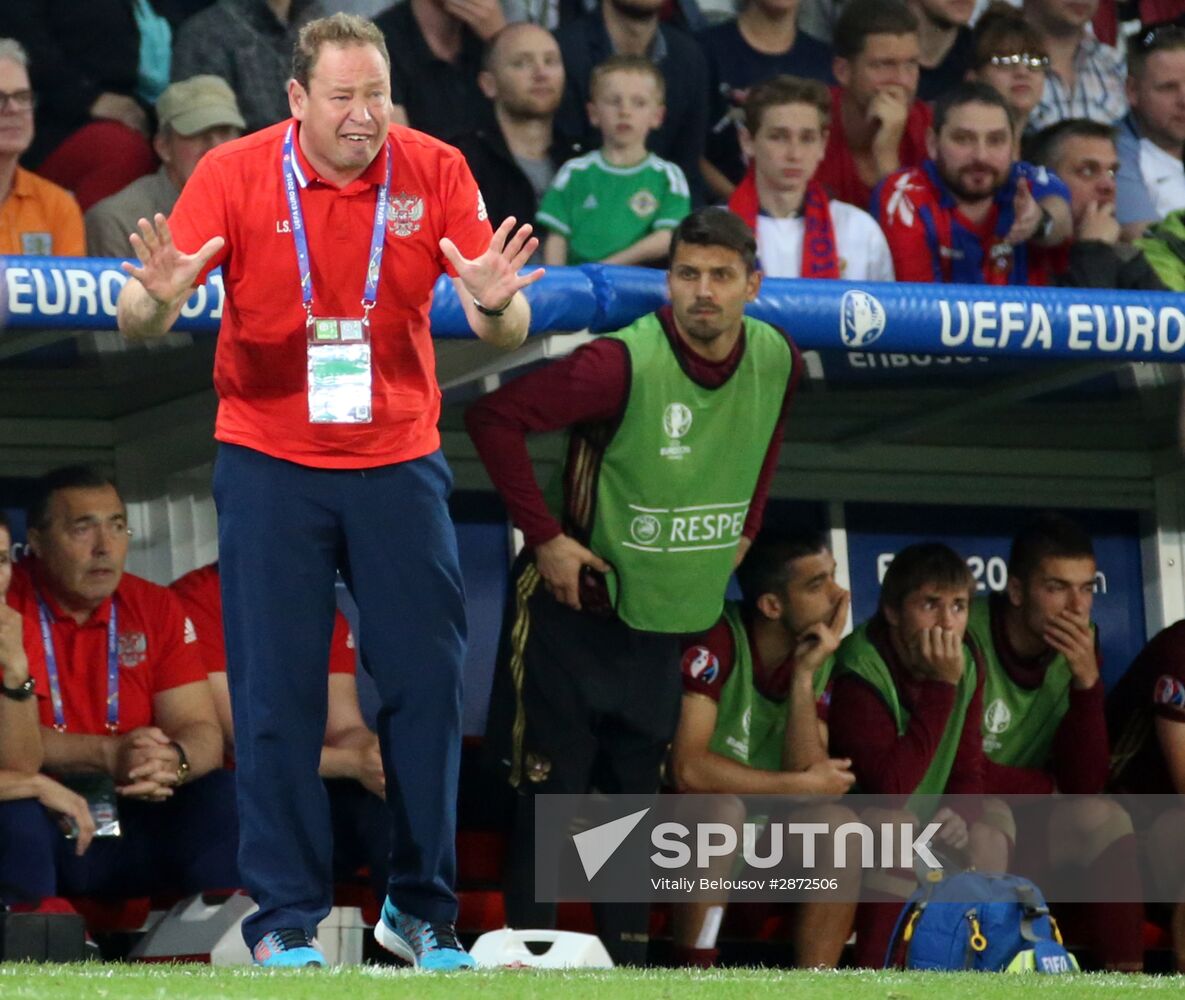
196, 982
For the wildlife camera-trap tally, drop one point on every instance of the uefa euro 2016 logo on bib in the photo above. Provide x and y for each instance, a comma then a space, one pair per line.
861, 318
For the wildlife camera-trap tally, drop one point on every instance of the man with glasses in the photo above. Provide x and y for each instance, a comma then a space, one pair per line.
1085, 78
127, 716
1083, 154
36, 217
1151, 138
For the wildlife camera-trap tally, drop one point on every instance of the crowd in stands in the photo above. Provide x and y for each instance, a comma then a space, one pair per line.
918, 140
926, 140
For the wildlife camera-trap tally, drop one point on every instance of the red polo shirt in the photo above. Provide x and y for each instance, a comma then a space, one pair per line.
260, 369
157, 652
201, 596
837, 172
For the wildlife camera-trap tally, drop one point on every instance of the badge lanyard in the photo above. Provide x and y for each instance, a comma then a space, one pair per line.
300, 237
51, 668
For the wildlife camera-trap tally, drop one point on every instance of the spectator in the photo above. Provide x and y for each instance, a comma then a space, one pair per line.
1152, 135
1083, 154
755, 691
905, 708
1009, 55
249, 44
590, 684
436, 56
786, 121
514, 157
1146, 720
877, 126
123, 699
193, 116
85, 62
21, 786
944, 42
619, 204
1044, 728
632, 27
1085, 78
351, 765
36, 216
761, 42
971, 214
1164, 246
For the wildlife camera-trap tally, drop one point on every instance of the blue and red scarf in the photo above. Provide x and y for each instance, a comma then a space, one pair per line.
820, 257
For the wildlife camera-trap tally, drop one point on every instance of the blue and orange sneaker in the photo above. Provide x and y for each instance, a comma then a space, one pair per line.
430, 946
286, 949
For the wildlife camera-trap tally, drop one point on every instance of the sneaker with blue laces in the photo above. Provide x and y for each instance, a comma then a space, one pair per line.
286, 949
430, 946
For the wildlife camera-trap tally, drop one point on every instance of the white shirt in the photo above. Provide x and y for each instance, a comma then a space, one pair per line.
862, 248
1164, 177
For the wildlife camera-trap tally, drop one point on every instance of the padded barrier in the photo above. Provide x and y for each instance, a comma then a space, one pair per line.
968, 320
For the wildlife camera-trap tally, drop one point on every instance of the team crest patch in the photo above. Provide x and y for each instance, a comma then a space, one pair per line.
701, 664
643, 204
404, 212
133, 649
1169, 692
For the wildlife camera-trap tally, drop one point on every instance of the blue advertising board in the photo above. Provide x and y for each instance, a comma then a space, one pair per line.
983, 535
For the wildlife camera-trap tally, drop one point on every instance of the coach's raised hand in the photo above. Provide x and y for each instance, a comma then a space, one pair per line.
150, 304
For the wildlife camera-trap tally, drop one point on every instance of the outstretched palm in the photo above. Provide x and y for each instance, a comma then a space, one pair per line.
166, 273
493, 278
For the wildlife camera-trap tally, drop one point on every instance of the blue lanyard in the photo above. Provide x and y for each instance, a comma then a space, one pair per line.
51, 668
300, 236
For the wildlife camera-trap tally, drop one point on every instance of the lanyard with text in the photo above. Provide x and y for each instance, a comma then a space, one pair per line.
339, 368
51, 668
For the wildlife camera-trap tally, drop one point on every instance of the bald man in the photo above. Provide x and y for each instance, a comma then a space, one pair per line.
515, 155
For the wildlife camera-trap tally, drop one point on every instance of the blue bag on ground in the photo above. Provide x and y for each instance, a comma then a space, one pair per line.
978, 922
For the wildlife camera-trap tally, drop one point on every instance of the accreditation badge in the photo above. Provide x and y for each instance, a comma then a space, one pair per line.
339, 371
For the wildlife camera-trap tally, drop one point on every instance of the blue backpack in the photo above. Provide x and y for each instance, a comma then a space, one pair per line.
978, 922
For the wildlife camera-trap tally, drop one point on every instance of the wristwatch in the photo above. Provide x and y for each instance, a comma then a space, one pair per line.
182, 762
22, 692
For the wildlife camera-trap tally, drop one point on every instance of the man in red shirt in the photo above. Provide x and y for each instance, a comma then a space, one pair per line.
331, 229
124, 704
351, 762
970, 213
877, 124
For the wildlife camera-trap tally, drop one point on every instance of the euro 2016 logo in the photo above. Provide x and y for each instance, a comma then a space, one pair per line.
676, 422
861, 319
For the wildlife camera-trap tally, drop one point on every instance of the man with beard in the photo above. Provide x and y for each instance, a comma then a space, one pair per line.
514, 157
970, 214
632, 27
945, 42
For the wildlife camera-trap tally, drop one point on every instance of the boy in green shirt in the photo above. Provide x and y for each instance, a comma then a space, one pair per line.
619, 204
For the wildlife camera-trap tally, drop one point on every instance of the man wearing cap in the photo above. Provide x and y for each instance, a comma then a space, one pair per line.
194, 116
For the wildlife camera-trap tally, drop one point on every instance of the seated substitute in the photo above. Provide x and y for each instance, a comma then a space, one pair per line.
350, 761
1044, 729
125, 709
971, 214
905, 707
801, 231
617, 205
23, 789
755, 691
1146, 722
